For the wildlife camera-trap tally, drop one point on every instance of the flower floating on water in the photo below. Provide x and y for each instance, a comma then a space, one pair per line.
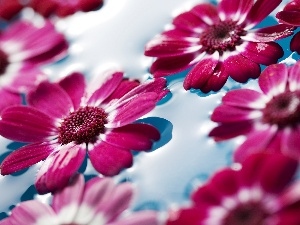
259, 193
270, 120
291, 15
99, 201
21, 54
66, 119
218, 42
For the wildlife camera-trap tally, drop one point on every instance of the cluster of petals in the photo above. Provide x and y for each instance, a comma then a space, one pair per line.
9, 9
64, 120
271, 116
261, 192
99, 201
24, 47
217, 42
291, 15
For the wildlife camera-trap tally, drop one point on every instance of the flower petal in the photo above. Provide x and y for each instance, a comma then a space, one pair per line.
190, 216
294, 44
133, 136
189, 21
260, 10
9, 9
66, 201
109, 160
8, 98
33, 212
59, 167
227, 113
74, 85
26, 124
241, 69
272, 33
132, 110
25, 157
273, 79
291, 142
206, 12
142, 217
289, 17
169, 65
46, 93
294, 77
251, 145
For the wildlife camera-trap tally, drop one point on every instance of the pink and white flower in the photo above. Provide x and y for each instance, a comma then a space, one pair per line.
24, 47
260, 193
66, 119
291, 15
97, 202
218, 41
65, 8
270, 120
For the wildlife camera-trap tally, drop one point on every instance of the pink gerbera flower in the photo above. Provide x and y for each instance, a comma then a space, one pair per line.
98, 202
270, 120
260, 193
291, 15
65, 8
9, 8
23, 47
218, 42
66, 119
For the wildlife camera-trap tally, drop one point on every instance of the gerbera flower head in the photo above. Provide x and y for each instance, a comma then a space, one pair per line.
60, 8
21, 54
218, 41
64, 120
98, 201
260, 193
271, 116
291, 15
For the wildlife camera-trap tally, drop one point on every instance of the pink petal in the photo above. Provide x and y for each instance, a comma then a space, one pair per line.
291, 142
59, 167
190, 22
89, 5
109, 160
169, 65
9, 9
178, 33
74, 85
294, 44
243, 98
227, 113
45, 95
26, 124
163, 46
273, 33
6, 221
274, 179
241, 69
25, 157
206, 195
67, 200
230, 130
138, 218
8, 98
199, 75
289, 17
252, 146
31, 213
184, 216
133, 136
293, 77
290, 195
273, 79
106, 88
230, 8
132, 110
263, 53
206, 11
260, 10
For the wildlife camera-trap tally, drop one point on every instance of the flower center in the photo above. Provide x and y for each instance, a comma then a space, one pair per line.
246, 214
3, 62
82, 126
221, 37
283, 109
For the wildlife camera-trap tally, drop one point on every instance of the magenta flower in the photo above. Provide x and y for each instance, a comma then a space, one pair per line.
21, 54
9, 9
260, 193
291, 15
66, 119
218, 42
270, 120
98, 202
60, 8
